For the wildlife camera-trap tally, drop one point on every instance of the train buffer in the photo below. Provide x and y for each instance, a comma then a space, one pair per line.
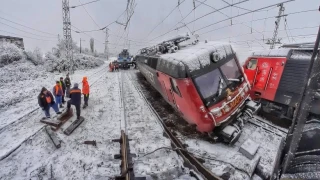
126, 166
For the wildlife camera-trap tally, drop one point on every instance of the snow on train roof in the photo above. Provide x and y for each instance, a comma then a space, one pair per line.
272, 52
197, 56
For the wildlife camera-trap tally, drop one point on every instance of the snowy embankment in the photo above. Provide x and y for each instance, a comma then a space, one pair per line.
104, 118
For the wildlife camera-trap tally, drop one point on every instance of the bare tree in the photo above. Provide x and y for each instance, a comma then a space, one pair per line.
92, 45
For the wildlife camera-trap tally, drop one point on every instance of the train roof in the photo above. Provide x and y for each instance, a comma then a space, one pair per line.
290, 53
282, 52
197, 56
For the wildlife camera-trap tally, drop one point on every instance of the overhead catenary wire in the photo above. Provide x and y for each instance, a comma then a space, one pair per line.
89, 15
28, 27
26, 31
232, 23
243, 14
298, 12
165, 18
84, 4
214, 12
239, 35
27, 36
297, 36
194, 19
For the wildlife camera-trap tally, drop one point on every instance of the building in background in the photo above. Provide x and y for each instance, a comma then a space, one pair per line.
16, 40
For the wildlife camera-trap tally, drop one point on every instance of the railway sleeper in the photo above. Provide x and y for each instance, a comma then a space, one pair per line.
126, 165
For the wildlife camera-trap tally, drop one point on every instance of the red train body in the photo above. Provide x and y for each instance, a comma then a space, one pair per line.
203, 82
277, 78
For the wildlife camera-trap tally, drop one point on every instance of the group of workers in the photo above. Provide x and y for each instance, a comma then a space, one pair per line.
113, 66
62, 90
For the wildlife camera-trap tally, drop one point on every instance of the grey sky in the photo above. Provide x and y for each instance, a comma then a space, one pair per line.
46, 15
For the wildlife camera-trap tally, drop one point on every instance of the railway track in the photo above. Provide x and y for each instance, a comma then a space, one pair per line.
35, 130
189, 159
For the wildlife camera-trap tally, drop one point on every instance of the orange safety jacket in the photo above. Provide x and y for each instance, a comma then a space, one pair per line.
85, 86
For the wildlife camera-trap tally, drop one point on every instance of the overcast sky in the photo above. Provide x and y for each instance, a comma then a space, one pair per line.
46, 16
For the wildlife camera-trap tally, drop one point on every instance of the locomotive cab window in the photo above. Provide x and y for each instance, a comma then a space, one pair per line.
175, 87
252, 64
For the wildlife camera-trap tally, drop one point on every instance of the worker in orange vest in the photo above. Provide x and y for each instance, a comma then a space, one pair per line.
58, 93
45, 100
85, 91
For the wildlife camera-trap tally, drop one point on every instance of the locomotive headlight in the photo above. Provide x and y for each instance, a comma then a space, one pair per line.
226, 108
216, 112
242, 94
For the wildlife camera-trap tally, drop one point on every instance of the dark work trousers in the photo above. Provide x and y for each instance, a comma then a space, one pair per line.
63, 100
68, 92
86, 99
77, 108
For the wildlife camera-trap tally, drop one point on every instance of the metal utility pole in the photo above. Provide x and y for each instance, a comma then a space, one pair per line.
106, 50
80, 45
274, 39
67, 33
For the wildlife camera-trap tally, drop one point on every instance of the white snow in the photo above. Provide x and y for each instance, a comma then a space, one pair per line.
220, 157
195, 56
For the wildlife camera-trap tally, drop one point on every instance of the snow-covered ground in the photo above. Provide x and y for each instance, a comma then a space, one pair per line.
36, 157
26, 152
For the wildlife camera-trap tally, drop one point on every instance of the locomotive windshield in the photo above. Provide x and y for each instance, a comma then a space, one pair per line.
212, 84
231, 71
209, 83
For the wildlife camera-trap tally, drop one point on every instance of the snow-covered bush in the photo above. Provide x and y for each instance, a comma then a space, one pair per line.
35, 57
9, 53
81, 61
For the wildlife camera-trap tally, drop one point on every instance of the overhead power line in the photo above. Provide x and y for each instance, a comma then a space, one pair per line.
194, 19
90, 15
26, 36
214, 12
84, 4
101, 29
302, 35
240, 35
85, 34
165, 18
243, 14
27, 26
260, 19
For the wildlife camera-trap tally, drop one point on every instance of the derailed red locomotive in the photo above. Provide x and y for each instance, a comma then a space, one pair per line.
277, 77
203, 81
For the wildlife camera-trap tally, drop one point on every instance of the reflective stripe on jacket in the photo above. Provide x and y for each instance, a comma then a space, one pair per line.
75, 96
